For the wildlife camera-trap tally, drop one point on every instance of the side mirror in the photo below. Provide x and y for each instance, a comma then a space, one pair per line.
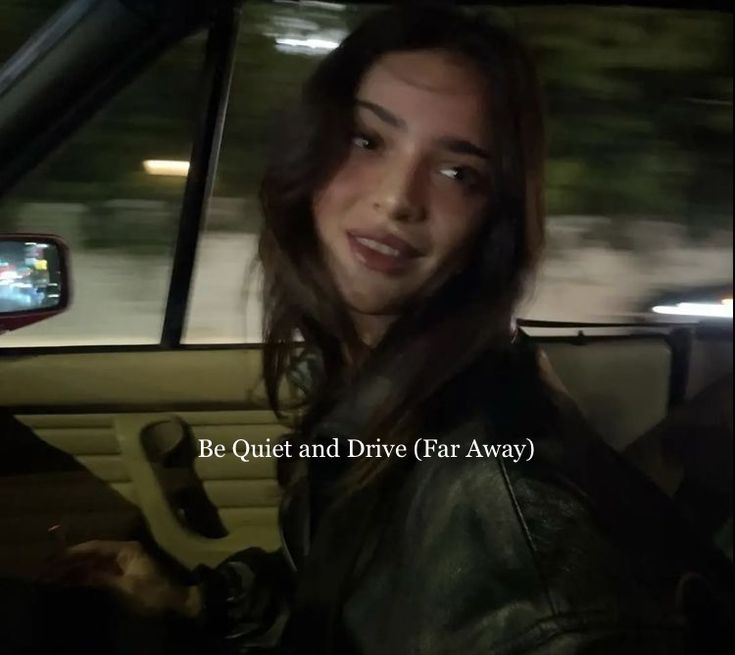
34, 279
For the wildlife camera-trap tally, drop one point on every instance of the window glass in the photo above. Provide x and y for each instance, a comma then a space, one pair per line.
639, 171
103, 194
278, 46
640, 163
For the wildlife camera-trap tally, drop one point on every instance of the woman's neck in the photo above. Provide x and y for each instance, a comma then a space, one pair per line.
371, 328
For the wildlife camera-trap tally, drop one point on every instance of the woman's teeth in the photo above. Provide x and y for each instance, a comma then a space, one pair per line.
378, 247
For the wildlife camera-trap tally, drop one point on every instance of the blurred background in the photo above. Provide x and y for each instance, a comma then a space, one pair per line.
639, 176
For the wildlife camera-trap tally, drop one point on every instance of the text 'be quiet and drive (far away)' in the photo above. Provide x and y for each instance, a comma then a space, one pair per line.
421, 449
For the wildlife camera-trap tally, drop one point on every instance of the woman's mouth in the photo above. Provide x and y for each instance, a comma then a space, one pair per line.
383, 253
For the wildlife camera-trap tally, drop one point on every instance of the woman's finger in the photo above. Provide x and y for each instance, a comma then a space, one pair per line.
101, 548
122, 553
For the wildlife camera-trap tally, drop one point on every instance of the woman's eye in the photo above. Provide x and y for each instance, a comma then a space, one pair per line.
468, 177
364, 141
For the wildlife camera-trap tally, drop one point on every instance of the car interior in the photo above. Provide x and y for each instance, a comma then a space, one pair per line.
101, 441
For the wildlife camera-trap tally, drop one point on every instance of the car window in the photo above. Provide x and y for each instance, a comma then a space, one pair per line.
278, 46
107, 192
640, 167
639, 171
639, 178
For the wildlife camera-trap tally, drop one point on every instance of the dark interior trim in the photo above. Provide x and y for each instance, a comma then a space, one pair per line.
73, 65
218, 67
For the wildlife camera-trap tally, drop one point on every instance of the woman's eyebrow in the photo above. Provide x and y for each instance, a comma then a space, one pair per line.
463, 147
382, 113
454, 145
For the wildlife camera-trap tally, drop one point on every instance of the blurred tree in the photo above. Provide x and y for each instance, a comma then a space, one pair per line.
640, 117
640, 105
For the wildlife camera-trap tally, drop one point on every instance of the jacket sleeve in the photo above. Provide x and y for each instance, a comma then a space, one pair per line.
473, 573
246, 600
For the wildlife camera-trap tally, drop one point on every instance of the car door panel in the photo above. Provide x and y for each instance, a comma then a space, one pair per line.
622, 385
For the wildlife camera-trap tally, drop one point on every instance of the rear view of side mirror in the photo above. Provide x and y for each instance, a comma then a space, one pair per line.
34, 279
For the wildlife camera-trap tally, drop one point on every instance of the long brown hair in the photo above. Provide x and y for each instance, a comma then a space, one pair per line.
472, 311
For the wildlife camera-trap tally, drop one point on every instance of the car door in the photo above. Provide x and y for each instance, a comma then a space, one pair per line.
147, 165
111, 382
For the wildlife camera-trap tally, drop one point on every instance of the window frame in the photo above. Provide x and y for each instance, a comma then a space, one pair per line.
218, 64
222, 31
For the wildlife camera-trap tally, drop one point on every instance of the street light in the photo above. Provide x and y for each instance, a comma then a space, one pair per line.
171, 167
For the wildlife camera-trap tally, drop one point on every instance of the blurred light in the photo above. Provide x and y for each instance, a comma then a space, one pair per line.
309, 44
710, 310
322, 5
166, 167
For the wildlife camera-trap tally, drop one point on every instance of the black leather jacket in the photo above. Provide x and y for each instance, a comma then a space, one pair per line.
570, 552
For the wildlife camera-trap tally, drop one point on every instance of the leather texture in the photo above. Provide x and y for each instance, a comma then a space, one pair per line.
571, 552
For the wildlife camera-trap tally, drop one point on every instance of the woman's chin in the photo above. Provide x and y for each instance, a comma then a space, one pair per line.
375, 305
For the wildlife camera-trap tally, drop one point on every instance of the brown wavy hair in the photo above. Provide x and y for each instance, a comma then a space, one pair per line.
471, 312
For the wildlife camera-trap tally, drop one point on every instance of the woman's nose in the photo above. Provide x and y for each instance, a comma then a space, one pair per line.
400, 196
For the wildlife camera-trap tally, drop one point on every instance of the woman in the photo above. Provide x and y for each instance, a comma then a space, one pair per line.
403, 216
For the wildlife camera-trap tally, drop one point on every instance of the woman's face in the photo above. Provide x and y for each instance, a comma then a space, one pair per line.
396, 217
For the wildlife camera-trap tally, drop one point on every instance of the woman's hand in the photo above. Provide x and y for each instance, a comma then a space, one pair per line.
125, 568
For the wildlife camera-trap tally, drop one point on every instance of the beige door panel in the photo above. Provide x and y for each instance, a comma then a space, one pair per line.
76, 386
186, 546
245, 494
161, 380
622, 387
